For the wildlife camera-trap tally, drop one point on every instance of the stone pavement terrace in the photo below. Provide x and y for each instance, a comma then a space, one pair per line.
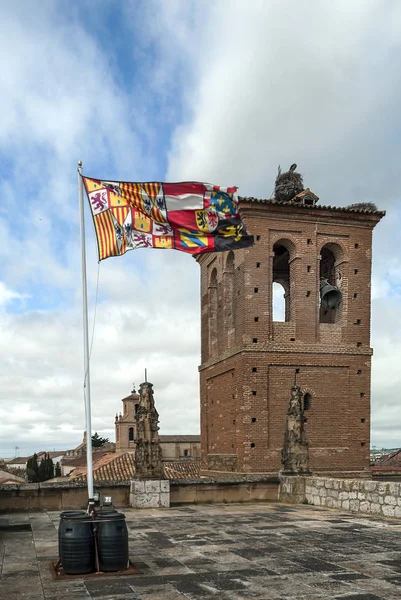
230, 552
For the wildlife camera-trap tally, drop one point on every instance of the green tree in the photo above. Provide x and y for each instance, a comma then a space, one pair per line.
42, 469
57, 471
32, 469
49, 468
97, 441
46, 468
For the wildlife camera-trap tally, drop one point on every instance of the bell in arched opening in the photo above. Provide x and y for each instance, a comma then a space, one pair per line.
330, 295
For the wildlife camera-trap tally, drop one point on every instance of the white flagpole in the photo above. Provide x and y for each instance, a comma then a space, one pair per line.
87, 388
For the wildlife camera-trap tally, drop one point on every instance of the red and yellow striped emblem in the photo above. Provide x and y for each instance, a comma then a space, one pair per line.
106, 235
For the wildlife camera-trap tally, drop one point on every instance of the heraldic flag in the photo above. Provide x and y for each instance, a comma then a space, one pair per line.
192, 217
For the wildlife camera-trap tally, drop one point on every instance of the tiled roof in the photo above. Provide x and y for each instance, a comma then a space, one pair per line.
52, 454
132, 396
182, 470
179, 438
18, 461
108, 467
81, 461
389, 460
273, 201
120, 467
6, 477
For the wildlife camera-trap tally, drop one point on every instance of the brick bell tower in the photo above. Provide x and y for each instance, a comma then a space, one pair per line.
249, 360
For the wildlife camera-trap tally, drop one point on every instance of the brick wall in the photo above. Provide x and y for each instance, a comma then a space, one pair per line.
245, 382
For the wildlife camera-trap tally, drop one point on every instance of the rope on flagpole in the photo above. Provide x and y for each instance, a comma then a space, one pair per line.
94, 323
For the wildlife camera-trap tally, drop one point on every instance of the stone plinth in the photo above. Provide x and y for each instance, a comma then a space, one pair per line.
149, 493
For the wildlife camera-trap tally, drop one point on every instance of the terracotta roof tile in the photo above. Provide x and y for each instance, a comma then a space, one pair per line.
273, 201
81, 461
108, 467
182, 470
120, 467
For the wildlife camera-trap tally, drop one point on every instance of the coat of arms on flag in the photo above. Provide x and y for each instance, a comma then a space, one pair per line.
191, 217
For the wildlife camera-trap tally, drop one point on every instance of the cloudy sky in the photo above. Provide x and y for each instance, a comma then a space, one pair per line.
219, 91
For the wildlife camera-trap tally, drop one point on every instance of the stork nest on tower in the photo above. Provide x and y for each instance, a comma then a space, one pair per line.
288, 184
363, 206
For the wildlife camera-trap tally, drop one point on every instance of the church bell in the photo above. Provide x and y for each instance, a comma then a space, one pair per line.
330, 295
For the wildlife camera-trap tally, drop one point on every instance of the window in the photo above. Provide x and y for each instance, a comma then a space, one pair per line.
131, 434
254, 369
330, 297
186, 452
252, 444
307, 401
229, 304
253, 419
213, 313
281, 281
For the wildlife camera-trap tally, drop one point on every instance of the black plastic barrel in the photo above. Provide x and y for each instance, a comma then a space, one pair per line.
64, 515
106, 512
76, 543
112, 541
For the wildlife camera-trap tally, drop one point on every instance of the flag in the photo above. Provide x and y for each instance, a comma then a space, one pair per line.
191, 217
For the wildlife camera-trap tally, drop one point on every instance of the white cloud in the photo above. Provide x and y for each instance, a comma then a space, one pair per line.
316, 83
8, 295
253, 84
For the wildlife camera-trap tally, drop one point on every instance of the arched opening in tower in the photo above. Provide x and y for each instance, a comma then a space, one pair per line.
229, 308
278, 302
212, 293
329, 273
281, 283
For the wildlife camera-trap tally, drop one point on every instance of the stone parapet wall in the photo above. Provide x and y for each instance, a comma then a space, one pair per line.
354, 495
61, 496
240, 489
58, 496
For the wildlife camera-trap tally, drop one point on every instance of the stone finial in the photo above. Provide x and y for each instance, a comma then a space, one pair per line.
148, 455
295, 452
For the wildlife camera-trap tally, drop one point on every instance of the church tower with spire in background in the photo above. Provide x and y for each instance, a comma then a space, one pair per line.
125, 424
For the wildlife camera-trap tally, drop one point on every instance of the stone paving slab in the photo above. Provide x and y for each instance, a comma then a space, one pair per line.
219, 552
